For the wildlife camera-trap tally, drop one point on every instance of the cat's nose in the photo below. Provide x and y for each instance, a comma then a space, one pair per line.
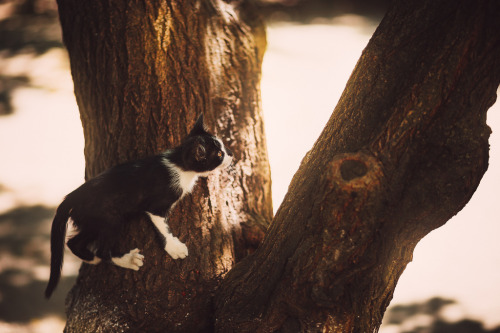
229, 152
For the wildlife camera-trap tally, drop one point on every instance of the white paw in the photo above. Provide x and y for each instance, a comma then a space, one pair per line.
175, 248
132, 260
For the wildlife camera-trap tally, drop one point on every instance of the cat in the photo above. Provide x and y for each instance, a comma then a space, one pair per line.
151, 186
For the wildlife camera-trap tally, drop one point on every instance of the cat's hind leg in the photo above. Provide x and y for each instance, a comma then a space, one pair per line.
132, 260
106, 245
172, 245
79, 245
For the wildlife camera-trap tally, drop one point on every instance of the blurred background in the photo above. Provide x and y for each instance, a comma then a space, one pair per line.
452, 285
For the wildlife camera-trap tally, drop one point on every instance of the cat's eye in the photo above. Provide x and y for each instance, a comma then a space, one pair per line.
219, 154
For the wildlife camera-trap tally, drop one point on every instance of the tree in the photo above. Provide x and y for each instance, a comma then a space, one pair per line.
143, 72
403, 152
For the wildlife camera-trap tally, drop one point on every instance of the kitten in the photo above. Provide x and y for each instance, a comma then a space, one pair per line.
150, 186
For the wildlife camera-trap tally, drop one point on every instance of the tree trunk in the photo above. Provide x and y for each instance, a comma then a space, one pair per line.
403, 152
143, 72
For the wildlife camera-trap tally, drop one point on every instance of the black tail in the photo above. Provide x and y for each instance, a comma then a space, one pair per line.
57, 241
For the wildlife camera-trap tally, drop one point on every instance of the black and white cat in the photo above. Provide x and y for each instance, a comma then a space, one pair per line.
151, 186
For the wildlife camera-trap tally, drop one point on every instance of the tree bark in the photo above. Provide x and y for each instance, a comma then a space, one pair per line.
403, 152
143, 72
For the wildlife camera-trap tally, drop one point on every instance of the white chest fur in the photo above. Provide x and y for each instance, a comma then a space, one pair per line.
184, 180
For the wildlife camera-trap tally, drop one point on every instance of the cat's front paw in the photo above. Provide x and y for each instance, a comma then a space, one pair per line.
176, 249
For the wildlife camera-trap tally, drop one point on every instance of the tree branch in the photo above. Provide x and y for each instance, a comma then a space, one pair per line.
403, 152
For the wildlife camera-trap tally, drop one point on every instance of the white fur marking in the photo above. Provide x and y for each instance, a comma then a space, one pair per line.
159, 223
174, 247
132, 260
185, 180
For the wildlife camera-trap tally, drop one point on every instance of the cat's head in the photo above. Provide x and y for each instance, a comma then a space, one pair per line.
203, 152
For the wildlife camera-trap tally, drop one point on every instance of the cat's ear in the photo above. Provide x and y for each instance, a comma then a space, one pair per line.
200, 154
199, 127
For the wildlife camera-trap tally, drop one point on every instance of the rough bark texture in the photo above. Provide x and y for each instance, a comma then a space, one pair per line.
143, 72
403, 152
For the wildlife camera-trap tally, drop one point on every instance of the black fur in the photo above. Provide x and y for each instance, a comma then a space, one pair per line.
99, 207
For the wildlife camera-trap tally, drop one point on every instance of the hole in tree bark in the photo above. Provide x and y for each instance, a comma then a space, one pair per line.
351, 169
